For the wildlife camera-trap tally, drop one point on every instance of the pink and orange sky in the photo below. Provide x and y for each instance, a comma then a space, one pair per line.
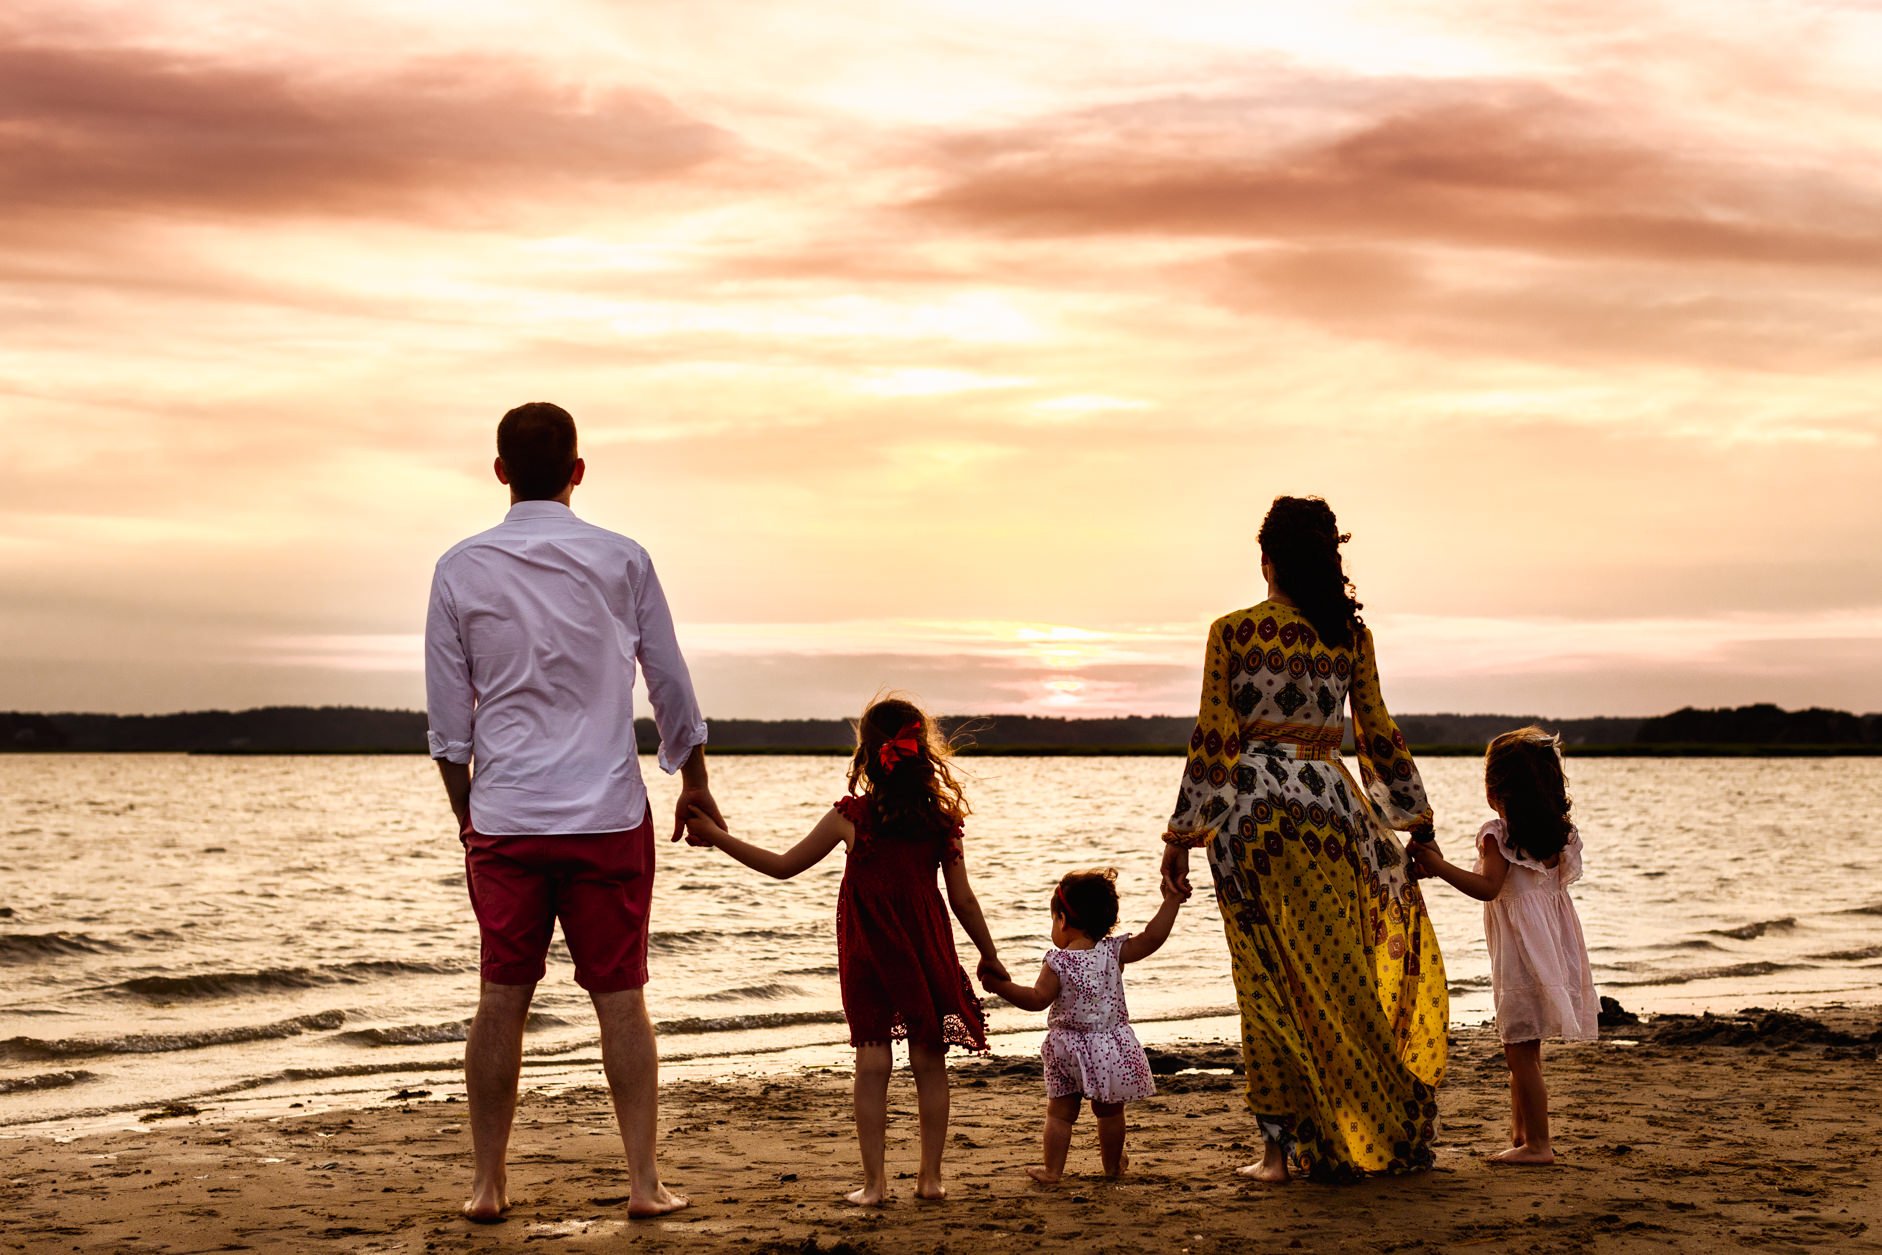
958, 346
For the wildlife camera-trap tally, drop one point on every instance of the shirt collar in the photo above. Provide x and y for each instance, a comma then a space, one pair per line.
538, 510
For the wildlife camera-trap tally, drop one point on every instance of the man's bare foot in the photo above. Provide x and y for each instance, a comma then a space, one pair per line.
1271, 1172
662, 1202
867, 1197
488, 1204
1525, 1156
1044, 1176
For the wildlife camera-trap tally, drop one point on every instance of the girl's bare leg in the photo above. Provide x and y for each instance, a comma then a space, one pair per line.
930, 1066
1517, 1130
873, 1064
1530, 1099
1061, 1115
1111, 1138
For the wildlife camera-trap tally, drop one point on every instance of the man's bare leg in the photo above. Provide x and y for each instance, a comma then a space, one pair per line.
493, 1059
632, 1062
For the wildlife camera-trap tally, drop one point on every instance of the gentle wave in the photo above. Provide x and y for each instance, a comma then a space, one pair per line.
770, 991
1849, 956
225, 984
44, 1080
164, 1043
692, 942
1874, 908
745, 1023
31, 947
433, 1034
1751, 932
1709, 973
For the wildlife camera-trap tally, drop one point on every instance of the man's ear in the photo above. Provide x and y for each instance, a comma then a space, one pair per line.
503, 475
575, 476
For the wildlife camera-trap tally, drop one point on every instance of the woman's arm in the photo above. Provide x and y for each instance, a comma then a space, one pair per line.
966, 909
1386, 768
831, 831
1146, 943
1036, 997
1483, 885
1214, 749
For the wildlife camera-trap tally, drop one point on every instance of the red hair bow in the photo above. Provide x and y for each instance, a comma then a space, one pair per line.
906, 744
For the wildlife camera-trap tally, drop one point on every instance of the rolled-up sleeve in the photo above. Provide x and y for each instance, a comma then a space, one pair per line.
449, 696
669, 685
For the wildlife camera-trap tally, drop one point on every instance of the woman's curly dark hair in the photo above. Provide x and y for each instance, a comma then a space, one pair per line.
1522, 773
1087, 901
913, 793
1301, 539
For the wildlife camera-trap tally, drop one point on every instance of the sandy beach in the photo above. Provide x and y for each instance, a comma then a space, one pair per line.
1689, 1134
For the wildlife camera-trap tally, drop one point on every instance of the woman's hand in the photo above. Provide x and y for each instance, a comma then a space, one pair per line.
992, 972
1176, 870
1425, 858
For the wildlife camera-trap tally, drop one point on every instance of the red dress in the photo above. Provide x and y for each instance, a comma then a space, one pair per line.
895, 945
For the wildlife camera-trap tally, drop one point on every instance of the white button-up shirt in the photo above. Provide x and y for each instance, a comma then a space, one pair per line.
531, 642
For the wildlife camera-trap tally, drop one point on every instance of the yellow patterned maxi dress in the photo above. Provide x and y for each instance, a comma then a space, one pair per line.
1337, 972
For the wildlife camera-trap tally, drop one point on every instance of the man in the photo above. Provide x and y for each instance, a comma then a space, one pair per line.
531, 642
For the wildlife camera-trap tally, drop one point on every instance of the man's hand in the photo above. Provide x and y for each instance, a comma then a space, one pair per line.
691, 800
702, 829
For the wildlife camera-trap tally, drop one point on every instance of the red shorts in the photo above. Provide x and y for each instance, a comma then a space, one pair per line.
598, 883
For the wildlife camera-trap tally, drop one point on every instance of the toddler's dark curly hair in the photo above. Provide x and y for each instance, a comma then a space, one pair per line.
1087, 901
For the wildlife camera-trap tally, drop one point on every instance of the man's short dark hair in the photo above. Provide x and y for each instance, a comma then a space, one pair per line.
537, 444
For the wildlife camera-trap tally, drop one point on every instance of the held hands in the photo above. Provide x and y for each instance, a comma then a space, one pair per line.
1176, 872
1425, 858
694, 799
703, 828
992, 972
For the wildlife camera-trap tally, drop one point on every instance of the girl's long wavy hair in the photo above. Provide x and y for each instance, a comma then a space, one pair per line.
1302, 540
1522, 773
916, 793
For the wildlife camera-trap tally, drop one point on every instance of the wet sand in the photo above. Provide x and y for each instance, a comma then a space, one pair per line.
1688, 1135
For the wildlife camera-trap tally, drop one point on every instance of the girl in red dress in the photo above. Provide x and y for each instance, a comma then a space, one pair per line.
900, 823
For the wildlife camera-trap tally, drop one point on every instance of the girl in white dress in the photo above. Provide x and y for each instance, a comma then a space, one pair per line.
1527, 857
1090, 1051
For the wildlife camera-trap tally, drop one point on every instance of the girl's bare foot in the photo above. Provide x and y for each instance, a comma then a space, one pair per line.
660, 1204
1526, 1156
1044, 1176
488, 1203
1123, 1165
931, 1191
867, 1197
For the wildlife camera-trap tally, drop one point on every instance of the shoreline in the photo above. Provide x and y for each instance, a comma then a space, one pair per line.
1619, 750
1685, 1133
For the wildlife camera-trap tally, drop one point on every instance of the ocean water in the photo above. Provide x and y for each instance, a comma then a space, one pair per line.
249, 933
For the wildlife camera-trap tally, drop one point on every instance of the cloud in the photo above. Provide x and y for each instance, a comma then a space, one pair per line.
1480, 165
458, 138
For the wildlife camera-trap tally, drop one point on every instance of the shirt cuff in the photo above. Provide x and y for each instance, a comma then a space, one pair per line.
675, 752
450, 751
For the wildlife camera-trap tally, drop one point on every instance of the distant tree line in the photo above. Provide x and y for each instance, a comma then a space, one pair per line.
354, 729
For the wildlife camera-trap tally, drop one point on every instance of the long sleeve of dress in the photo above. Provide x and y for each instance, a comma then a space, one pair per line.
1214, 749
1385, 764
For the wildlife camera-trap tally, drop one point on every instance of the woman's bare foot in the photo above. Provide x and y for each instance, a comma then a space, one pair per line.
867, 1197
1526, 1156
1271, 1170
488, 1203
1044, 1176
663, 1202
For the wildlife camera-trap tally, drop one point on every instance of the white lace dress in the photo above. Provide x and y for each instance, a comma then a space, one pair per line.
1090, 1048
1539, 970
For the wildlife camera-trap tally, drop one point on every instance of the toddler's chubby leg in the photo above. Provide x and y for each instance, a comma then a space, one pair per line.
1529, 1102
1111, 1138
1061, 1114
873, 1064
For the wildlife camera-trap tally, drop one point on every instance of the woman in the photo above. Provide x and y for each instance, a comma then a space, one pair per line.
1337, 972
